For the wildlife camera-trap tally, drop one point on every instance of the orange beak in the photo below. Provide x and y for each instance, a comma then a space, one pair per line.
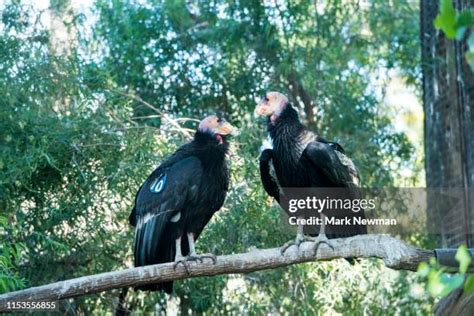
225, 128
263, 109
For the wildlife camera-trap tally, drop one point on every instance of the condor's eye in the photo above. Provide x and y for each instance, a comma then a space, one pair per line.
219, 120
267, 99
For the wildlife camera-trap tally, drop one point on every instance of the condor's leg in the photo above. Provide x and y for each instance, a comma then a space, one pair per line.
179, 254
192, 254
300, 238
179, 258
322, 238
192, 251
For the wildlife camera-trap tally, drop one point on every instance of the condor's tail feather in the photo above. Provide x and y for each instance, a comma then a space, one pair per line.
151, 247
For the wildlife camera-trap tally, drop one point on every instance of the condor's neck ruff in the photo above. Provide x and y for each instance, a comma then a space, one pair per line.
286, 133
208, 146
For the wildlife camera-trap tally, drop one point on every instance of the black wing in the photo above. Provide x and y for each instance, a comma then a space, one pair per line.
132, 219
269, 182
341, 171
337, 167
164, 194
334, 145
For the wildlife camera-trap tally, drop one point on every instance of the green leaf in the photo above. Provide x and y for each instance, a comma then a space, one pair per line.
3, 285
464, 19
469, 284
3, 221
435, 286
463, 257
446, 19
450, 282
423, 269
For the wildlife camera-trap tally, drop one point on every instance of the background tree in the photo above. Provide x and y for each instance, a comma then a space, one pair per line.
69, 174
448, 84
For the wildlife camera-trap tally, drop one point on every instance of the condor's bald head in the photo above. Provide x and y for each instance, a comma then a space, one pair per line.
271, 105
217, 126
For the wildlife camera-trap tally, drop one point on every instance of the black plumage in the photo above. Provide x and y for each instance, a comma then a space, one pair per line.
295, 157
180, 197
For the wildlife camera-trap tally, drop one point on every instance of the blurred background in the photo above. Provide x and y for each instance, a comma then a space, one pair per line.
95, 93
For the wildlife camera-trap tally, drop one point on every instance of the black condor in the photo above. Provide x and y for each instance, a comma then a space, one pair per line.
295, 157
179, 198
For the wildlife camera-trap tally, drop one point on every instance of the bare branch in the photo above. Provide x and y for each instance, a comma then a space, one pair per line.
395, 253
298, 90
186, 132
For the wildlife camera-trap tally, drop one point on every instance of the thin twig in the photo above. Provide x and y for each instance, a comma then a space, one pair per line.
163, 115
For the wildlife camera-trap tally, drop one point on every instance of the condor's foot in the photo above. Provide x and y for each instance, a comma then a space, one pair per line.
321, 239
296, 242
193, 257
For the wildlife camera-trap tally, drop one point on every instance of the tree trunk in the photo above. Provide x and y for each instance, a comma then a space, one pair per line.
62, 35
448, 94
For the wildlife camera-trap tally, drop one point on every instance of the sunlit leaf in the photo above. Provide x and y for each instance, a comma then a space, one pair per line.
423, 269
469, 284
450, 283
446, 19
463, 257
435, 286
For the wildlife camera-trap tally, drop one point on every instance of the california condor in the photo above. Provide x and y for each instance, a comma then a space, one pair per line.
295, 157
179, 198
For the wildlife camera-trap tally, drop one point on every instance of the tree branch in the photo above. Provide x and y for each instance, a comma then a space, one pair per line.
298, 90
395, 253
187, 133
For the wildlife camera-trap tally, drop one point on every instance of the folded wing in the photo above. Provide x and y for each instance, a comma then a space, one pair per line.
162, 199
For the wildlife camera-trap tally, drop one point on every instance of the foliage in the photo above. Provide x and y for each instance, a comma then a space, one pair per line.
9, 257
440, 283
81, 130
455, 25
223, 54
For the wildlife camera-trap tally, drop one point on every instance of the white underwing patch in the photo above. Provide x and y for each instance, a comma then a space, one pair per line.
176, 218
304, 140
266, 144
143, 220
